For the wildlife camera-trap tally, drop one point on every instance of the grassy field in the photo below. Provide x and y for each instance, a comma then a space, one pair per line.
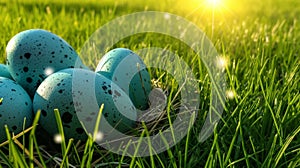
261, 41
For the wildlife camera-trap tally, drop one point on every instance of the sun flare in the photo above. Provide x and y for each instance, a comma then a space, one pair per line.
213, 3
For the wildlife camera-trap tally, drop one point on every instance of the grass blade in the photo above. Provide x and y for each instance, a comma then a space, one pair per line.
61, 132
285, 146
67, 151
232, 143
17, 158
5, 159
32, 138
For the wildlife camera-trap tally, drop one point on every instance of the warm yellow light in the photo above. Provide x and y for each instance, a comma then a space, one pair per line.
230, 94
213, 3
222, 62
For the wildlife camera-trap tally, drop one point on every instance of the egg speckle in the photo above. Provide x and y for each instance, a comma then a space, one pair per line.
34, 54
74, 98
129, 72
15, 105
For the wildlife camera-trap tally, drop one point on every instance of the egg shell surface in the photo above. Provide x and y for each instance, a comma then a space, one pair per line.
4, 71
34, 54
78, 94
15, 105
128, 71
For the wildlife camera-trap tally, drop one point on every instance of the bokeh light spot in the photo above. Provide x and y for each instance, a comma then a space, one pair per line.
57, 138
222, 62
49, 71
230, 94
99, 136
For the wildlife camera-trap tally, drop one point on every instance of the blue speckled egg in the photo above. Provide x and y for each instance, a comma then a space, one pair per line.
15, 105
4, 71
128, 71
78, 94
34, 54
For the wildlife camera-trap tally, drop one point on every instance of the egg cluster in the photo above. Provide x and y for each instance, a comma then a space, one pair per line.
39, 75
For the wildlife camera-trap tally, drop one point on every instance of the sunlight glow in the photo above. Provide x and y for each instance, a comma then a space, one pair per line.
222, 62
213, 3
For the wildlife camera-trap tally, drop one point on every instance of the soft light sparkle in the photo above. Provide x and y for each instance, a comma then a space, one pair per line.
57, 138
48, 71
222, 62
99, 136
167, 16
230, 94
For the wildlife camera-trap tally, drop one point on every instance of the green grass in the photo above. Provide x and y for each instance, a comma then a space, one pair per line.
261, 39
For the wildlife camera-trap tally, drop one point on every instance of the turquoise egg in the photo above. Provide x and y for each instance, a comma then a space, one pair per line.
4, 71
15, 105
34, 54
78, 94
129, 72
